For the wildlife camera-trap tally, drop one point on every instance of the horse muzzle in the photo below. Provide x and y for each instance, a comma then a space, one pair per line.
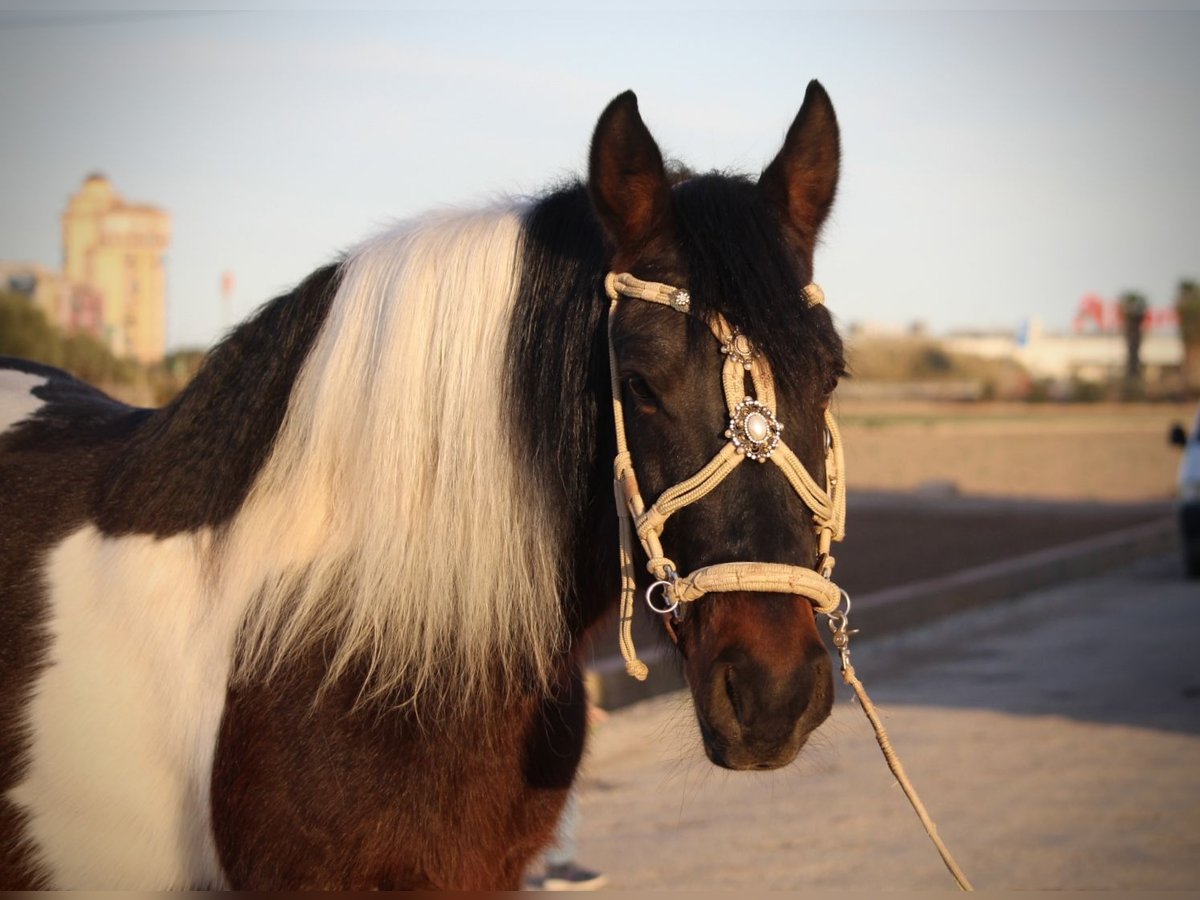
755, 707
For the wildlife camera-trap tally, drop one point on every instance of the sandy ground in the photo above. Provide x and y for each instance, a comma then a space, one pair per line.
1079, 452
1056, 742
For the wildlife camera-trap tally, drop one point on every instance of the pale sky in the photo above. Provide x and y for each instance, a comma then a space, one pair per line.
996, 166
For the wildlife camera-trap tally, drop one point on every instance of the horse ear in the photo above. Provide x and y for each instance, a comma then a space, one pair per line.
626, 179
802, 180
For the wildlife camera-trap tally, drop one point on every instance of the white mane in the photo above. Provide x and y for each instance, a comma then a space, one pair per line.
393, 519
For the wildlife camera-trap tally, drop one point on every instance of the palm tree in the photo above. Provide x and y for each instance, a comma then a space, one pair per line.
1133, 315
1187, 307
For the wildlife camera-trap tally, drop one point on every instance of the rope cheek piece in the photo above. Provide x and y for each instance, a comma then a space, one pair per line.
754, 433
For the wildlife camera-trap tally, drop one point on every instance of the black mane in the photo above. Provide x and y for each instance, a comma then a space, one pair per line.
555, 345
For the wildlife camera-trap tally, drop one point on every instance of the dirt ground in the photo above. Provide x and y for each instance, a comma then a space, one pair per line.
1088, 452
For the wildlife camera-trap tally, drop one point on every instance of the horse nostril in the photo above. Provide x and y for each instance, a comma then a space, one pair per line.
731, 691
759, 700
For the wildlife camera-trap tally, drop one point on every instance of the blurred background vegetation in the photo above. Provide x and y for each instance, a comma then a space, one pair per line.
918, 360
24, 332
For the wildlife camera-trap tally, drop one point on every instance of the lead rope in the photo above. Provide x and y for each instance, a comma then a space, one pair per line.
839, 622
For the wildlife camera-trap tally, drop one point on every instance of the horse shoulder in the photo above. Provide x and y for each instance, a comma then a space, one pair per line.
339, 792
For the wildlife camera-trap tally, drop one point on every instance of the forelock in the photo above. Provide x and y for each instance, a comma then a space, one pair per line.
739, 264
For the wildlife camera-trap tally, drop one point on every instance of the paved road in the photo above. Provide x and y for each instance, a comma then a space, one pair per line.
1055, 740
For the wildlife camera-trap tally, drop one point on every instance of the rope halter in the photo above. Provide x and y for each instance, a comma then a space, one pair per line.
755, 433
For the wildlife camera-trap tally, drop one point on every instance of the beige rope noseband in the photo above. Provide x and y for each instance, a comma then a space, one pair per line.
754, 432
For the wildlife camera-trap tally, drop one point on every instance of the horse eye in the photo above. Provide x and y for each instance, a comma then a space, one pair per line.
641, 392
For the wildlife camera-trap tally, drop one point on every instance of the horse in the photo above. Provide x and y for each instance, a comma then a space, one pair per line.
317, 622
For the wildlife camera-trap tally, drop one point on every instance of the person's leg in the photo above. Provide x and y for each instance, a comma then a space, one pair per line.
562, 851
562, 874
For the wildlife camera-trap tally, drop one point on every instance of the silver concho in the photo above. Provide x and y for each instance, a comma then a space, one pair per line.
681, 301
739, 349
754, 430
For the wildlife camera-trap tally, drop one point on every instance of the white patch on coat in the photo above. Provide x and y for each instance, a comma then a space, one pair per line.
124, 718
17, 401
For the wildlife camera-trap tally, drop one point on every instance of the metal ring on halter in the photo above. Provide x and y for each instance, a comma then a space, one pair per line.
840, 618
839, 628
665, 585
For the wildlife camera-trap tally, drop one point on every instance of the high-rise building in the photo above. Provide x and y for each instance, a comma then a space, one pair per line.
116, 249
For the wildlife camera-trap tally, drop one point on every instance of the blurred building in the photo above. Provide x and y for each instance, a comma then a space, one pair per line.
1086, 355
113, 264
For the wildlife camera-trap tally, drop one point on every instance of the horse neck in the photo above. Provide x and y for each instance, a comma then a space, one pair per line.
191, 464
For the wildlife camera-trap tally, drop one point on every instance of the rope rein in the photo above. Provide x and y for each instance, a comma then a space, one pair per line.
753, 433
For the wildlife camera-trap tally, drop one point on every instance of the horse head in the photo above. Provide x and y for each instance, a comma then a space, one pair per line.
739, 252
